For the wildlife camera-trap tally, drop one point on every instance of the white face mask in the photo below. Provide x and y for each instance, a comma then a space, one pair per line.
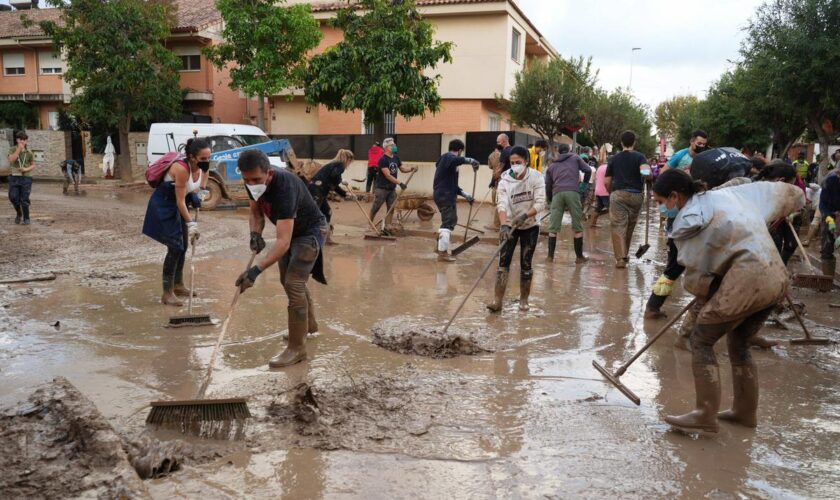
256, 190
518, 169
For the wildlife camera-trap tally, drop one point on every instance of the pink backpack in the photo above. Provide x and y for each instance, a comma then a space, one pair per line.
157, 170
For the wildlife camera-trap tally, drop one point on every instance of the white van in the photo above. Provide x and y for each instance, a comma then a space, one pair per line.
166, 137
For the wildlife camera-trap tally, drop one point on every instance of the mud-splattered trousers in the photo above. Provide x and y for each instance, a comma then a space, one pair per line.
173, 263
527, 239
295, 268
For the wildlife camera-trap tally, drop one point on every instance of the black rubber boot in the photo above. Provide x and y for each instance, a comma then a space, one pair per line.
552, 245
580, 258
25, 211
653, 309
19, 215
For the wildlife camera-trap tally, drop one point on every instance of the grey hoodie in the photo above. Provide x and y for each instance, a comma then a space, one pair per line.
564, 174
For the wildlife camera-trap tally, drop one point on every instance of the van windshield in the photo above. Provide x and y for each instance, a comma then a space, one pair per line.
250, 140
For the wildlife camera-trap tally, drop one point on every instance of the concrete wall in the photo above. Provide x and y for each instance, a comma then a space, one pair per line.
290, 117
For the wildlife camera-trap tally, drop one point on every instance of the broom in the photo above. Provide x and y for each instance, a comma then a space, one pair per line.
819, 282
205, 417
189, 319
378, 235
808, 340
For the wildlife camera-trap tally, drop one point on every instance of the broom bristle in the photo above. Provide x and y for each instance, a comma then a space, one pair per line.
202, 319
818, 282
209, 418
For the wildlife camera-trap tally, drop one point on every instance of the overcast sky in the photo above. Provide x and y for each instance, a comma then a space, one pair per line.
685, 44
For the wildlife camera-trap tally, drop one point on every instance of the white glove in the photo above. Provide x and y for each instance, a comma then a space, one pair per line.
204, 194
192, 231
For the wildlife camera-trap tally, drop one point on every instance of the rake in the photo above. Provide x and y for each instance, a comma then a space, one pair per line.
190, 319
613, 377
808, 340
819, 282
211, 418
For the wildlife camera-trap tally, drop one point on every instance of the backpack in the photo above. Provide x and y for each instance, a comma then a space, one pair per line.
157, 170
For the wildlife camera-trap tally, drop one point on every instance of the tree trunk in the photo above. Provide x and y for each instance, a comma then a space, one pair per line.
261, 112
379, 129
124, 158
824, 139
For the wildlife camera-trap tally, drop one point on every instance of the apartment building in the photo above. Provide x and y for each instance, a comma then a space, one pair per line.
493, 40
32, 68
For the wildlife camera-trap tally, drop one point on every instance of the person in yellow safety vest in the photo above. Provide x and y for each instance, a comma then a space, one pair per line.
801, 165
536, 151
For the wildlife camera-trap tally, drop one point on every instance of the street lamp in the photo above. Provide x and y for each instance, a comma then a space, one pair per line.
632, 53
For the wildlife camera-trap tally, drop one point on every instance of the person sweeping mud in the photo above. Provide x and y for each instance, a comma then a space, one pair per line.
445, 192
282, 198
733, 268
386, 180
327, 180
562, 190
520, 197
168, 219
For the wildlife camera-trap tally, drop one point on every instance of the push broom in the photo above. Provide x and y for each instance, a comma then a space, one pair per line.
808, 340
199, 416
613, 378
190, 319
815, 281
378, 235
390, 210
475, 239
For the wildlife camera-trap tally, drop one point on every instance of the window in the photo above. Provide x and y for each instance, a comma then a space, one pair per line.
514, 45
190, 58
390, 125
494, 122
13, 64
50, 63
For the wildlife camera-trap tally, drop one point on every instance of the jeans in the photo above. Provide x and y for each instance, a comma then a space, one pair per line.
448, 216
20, 188
527, 239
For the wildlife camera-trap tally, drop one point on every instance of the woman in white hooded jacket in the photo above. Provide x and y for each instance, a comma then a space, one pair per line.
734, 270
520, 196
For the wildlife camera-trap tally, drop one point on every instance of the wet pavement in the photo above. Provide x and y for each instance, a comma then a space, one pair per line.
530, 419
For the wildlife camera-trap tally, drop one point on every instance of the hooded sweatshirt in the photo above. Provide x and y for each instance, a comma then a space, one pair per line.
564, 174
516, 196
722, 234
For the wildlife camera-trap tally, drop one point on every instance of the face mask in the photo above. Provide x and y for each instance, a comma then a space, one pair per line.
204, 165
256, 190
518, 169
394, 149
646, 173
670, 213
700, 149
499, 147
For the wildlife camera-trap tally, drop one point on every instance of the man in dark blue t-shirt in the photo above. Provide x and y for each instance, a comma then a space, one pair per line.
281, 197
386, 180
445, 192
624, 179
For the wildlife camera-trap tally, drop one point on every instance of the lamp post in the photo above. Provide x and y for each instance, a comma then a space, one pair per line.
632, 54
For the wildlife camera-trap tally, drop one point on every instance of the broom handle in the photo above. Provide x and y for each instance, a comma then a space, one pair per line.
402, 192
801, 248
206, 383
480, 277
192, 269
647, 211
469, 217
661, 332
356, 199
480, 205
798, 318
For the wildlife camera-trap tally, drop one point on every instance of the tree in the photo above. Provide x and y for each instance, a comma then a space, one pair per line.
668, 114
794, 43
117, 65
18, 115
611, 113
268, 44
379, 65
552, 97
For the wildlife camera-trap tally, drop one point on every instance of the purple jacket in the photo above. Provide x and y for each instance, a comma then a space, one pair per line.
564, 174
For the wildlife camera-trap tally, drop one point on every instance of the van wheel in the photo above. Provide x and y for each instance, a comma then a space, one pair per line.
215, 196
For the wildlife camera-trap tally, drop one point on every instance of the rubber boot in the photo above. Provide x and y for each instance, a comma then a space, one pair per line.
295, 351
762, 342
579, 257
19, 213
552, 245
707, 388
312, 325
828, 267
744, 396
501, 285
25, 211
653, 309
524, 293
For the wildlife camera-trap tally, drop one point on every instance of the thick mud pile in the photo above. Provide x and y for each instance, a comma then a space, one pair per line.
414, 336
57, 445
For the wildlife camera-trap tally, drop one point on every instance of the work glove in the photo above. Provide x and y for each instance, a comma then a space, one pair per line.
470, 199
403, 186
505, 232
663, 286
257, 242
831, 225
520, 219
192, 231
582, 187
473, 162
203, 194
246, 279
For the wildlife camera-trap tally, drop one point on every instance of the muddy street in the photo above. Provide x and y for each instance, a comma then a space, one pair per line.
520, 414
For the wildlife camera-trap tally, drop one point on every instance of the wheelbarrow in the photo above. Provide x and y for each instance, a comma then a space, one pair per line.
410, 203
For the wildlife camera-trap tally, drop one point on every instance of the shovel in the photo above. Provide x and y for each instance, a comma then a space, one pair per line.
644, 248
475, 239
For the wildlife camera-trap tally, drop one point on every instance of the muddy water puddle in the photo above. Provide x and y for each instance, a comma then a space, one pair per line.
529, 419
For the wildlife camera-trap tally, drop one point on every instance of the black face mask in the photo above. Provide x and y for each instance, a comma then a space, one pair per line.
204, 166
500, 147
700, 149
